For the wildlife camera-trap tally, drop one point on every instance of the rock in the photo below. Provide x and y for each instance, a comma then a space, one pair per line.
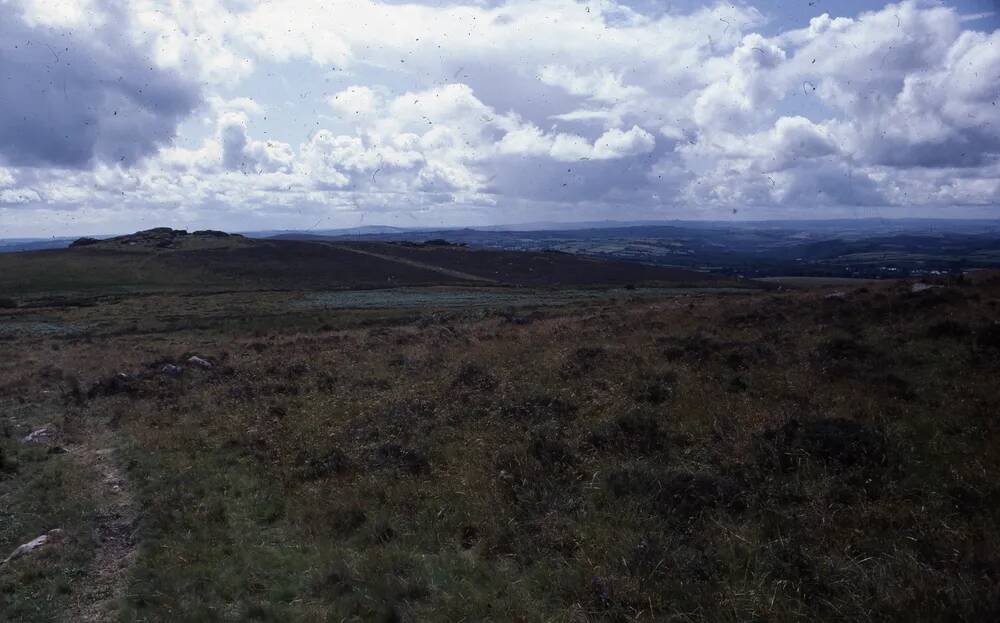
201, 363
836, 295
114, 483
41, 436
171, 370
49, 538
922, 287
213, 233
157, 238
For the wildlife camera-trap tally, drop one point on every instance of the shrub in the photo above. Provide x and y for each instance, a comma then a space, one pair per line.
119, 384
315, 468
541, 478
693, 348
548, 450
989, 336
539, 408
655, 389
635, 432
473, 376
584, 361
837, 442
404, 459
681, 495
948, 329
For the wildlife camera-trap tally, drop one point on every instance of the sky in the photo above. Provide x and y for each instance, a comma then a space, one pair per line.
315, 114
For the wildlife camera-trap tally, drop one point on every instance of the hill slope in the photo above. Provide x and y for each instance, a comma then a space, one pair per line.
798, 456
169, 259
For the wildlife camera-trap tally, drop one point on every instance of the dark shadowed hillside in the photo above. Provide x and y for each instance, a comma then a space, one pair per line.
532, 268
169, 259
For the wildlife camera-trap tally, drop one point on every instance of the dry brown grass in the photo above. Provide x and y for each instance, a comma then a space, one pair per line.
616, 461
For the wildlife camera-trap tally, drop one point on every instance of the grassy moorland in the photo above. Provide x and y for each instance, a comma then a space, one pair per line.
165, 260
769, 456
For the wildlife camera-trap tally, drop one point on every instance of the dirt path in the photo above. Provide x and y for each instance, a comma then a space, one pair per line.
117, 513
402, 260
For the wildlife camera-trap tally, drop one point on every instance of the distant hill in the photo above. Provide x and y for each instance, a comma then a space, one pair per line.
870, 248
14, 245
172, 259
365, 230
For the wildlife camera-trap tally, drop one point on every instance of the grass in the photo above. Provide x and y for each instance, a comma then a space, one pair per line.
775, 456
40, 491
423, 298
198, 266
818, 282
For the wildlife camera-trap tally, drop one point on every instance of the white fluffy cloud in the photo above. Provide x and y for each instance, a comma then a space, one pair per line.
601, 85
357, 103
489, 111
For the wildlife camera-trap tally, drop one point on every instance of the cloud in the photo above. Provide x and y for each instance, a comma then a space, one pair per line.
902, 89
18, 196
62, 13
425, 111
528, 140
241, 153
942, 116
601, 85
197, 38
617, 144
71, 97
245, 105
359, 102
908, 86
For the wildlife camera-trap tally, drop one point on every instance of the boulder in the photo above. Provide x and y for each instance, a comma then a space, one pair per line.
171, 370
42, 436
922, 287
200, 362
49, 538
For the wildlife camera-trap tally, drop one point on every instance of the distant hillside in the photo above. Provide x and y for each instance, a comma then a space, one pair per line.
531, 268
171, 259
859, 248
863, 248
14, 245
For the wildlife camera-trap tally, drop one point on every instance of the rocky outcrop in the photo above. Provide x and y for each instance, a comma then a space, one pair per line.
158, 237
